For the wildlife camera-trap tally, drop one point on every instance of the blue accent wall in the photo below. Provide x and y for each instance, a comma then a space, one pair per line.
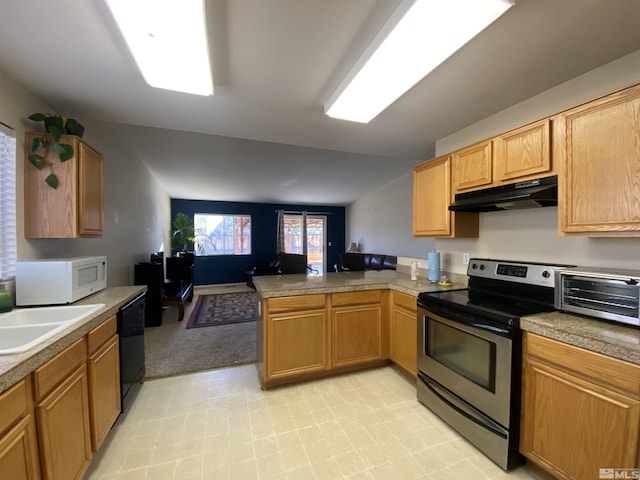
264, 218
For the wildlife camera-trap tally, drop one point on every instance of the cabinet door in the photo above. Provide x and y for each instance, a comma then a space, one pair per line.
49, 212
357, 334
576, 427
404, 332
599, 146
104, 390
18, 444
580, 409
431, 199
18, 457
63, 428
522, 154
472, 167
73, 209
90, 194
296, 343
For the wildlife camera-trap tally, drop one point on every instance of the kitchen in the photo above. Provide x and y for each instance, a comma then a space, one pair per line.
137, 208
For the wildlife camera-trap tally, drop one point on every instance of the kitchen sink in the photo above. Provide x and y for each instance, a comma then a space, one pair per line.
23, 329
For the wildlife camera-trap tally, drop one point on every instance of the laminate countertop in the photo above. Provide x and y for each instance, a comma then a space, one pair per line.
614, 340
14, 368
610, 339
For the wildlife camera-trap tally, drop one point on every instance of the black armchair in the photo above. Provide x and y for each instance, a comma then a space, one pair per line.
284, 264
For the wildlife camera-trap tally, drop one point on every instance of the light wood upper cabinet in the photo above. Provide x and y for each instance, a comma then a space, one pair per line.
431, 199
518, 155
598, 145
522, 153
580, 409
75, 208
473, 167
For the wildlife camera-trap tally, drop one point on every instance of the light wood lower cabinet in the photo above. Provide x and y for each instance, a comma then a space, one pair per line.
309, 336
296, 336
580, 409
104, 380
62, 413
18, 444
404, 332
356, 324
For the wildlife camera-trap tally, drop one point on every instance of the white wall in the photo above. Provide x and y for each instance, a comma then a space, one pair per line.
136, 210
532, 234
382, 221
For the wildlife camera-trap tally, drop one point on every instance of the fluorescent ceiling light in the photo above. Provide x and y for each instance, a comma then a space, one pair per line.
419, 36
168, 41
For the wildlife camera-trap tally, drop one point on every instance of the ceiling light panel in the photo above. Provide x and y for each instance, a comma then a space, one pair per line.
419, 36
168, 40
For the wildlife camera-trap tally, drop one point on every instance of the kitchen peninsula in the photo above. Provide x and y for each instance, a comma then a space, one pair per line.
314, 326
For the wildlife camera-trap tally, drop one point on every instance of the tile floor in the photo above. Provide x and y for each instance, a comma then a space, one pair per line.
220, 425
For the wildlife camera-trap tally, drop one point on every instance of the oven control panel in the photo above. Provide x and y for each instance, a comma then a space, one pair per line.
531, 273
512, 270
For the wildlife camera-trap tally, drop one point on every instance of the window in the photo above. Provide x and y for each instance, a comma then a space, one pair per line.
222, 234
8, 247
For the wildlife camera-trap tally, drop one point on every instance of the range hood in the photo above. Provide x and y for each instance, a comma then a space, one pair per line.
541, 192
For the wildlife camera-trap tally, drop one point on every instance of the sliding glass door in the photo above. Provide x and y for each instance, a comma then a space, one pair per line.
315, 239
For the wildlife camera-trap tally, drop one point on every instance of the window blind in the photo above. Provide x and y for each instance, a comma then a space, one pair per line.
8, 243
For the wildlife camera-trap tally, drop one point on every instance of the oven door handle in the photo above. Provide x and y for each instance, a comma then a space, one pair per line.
466, 411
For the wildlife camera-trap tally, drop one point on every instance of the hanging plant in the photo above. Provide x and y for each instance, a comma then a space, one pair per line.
54, 127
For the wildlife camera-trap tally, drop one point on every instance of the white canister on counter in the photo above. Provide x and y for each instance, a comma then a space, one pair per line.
433, 260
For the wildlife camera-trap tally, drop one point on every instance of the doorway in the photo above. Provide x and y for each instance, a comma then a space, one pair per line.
316, 239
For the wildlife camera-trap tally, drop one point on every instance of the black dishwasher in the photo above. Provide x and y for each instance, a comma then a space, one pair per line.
131, 336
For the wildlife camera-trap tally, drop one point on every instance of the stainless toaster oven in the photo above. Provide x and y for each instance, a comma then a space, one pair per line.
602, 293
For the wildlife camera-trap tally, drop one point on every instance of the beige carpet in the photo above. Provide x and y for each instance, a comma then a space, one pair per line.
171, 349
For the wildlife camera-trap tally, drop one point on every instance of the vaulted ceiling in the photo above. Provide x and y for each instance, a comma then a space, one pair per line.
263, 136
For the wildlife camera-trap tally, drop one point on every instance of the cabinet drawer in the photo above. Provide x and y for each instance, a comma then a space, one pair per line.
55, 370
604, 370
405, 301
99, 335
14, 403
356, 298
298, 302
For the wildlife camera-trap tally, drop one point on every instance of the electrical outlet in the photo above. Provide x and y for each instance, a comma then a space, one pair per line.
465, 258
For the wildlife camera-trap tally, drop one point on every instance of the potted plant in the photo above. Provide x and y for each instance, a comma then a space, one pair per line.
182, 233
54, 127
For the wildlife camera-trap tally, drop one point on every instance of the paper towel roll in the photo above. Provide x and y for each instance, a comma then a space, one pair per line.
433, 260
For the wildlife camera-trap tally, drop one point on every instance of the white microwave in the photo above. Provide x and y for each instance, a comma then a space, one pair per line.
59, 280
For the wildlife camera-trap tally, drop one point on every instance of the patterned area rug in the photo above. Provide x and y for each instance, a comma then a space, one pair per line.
224, 308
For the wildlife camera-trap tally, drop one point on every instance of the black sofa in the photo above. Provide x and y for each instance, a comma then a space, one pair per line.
360, 262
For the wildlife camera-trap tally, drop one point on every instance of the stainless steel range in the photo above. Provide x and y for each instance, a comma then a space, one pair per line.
469, 351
